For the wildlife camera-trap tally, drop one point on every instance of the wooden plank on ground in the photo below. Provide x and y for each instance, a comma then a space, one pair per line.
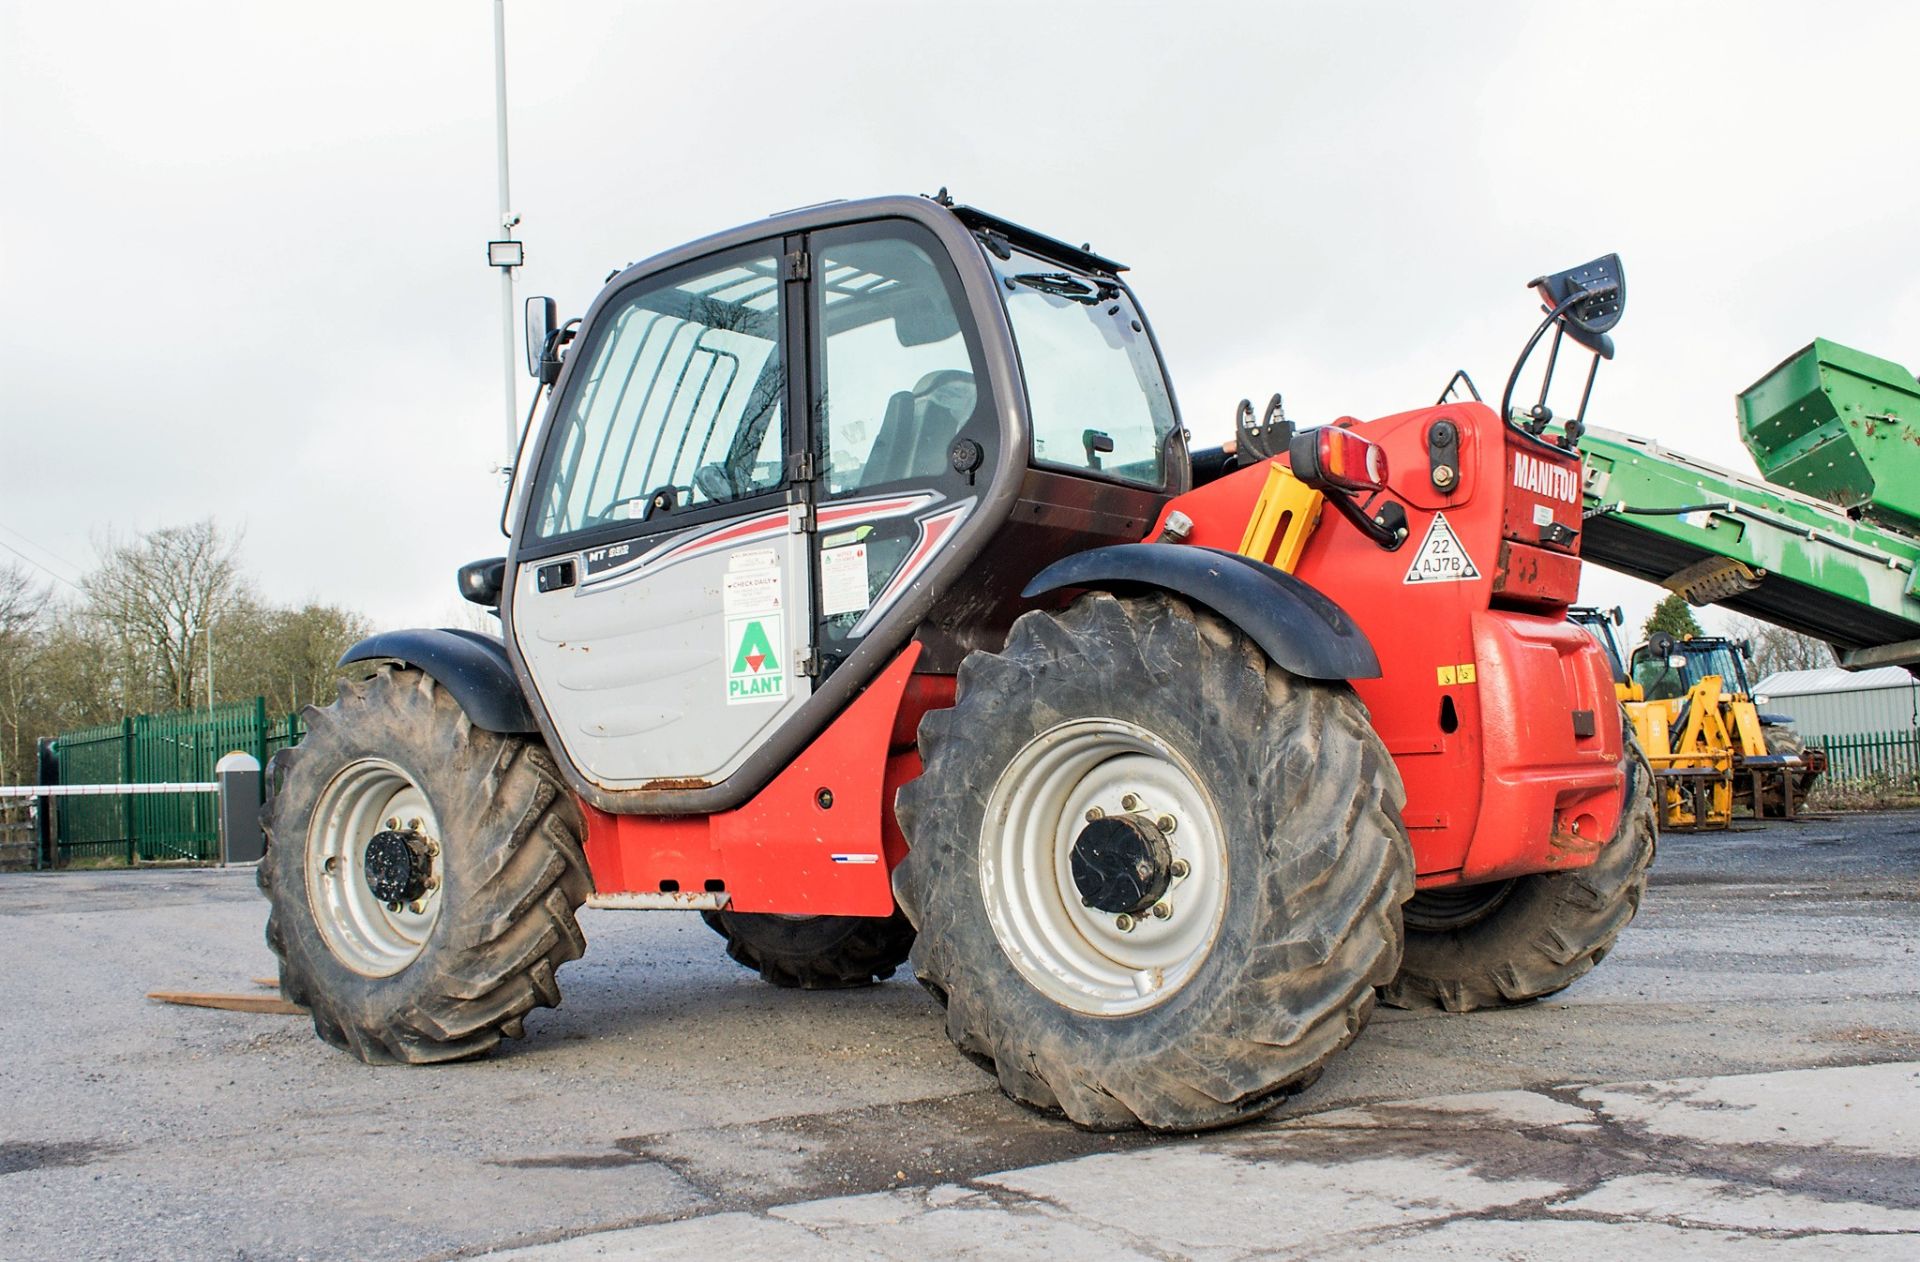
230, 1003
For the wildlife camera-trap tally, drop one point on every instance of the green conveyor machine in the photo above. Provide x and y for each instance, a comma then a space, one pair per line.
1827, 545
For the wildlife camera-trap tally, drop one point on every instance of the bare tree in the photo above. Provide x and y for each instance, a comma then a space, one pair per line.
23, 606
287, 656
1777, 649
159, 594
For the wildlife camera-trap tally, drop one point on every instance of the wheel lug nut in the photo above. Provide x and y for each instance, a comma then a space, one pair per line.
1130, 802
393, 907
413, 825
393, 822
1094, 812
417, 906
1123, 922
1178, 867
1162, 910
433, 882
1166, 823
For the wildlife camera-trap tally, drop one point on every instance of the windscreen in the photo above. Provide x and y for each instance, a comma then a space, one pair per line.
1095, 394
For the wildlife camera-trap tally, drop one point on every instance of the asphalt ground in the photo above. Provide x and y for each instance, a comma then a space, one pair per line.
674, 1085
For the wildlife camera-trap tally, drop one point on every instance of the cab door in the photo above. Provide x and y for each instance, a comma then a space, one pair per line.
662, 594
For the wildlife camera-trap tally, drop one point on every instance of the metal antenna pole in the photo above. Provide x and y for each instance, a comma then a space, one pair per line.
508, 220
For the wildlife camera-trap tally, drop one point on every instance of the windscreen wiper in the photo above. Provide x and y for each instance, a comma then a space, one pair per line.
1066, 285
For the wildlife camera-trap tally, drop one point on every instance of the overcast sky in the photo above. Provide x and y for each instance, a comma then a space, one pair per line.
243, 243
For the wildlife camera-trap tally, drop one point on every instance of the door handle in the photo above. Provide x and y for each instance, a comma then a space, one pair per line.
551, 578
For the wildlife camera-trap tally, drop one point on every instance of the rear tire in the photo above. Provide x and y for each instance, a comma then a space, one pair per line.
1289, 859
1773, 803
815, 952
445, 977
1509, 943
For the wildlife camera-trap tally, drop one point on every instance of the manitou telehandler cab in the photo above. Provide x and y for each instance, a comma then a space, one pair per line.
861, 596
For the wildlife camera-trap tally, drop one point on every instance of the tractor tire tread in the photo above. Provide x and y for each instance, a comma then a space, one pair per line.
1549, 931
818, 952
513, 835
1325, 916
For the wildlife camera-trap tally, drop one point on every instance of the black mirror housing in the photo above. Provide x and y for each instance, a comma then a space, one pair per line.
482, 581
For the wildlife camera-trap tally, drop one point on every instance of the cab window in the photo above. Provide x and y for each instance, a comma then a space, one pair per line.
681, 405
1096, 397
900, 379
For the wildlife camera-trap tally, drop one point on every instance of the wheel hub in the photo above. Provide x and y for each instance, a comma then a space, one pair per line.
399, 864
1122, 864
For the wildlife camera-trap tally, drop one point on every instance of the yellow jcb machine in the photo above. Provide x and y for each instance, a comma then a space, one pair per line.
1692, 708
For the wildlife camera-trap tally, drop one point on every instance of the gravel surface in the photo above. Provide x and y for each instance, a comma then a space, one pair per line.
673, 1083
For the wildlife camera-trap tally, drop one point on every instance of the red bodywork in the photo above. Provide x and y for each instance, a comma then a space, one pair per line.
1499, 781
1498, 712
820, 840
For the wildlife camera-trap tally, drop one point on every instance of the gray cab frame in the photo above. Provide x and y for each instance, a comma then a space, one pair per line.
1003, 483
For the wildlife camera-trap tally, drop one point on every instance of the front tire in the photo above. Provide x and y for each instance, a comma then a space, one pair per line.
392, 776
1282, 873
1512, 942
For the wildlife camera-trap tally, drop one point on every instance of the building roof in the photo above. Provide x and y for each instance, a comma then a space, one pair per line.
1801, 683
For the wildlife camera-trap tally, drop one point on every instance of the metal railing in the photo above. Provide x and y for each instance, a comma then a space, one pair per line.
1878, 760
146, 750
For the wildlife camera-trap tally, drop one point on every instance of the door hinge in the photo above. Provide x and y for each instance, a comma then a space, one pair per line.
798, 266
800, 519
810, 664
800, 467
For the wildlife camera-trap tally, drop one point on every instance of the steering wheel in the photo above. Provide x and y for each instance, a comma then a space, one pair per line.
715, 481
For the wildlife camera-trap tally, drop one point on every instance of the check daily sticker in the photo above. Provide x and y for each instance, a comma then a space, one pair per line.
754, 649
1441, 558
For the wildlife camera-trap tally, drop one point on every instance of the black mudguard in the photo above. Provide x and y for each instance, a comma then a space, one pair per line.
1303, 632
471, 666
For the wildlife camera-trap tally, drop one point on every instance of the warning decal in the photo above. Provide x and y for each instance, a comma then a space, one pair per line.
755, 618
1441, 559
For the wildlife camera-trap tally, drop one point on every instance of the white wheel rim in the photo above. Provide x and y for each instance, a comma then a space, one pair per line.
1078, 956
364, 933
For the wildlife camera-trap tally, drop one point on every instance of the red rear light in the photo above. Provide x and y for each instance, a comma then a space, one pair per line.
1348, 461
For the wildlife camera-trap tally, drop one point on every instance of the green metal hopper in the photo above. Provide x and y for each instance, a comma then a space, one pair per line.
1841, 426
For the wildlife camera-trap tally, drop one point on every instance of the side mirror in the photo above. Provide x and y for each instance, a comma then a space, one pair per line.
1619, 616
1746, 649
481, 581
1660, 644
541, 317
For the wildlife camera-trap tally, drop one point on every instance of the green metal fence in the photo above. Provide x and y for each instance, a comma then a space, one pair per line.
157, 749
1888, 760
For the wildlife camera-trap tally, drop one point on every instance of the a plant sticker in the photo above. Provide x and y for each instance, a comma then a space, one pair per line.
754, 670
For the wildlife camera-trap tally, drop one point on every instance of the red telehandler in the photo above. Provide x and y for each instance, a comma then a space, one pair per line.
864, 595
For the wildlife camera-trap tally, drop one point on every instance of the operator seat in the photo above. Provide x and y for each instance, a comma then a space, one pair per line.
920, 426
